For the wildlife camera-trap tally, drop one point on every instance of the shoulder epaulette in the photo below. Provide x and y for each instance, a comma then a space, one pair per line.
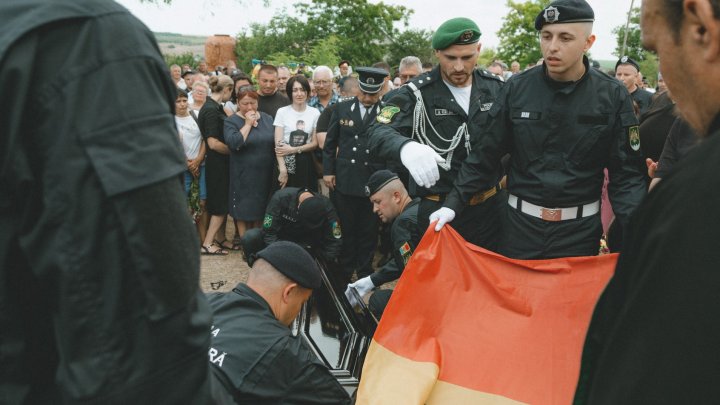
485, 74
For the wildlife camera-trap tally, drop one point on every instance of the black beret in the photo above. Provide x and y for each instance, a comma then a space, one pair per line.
378, 180
565, 11
371, 79
460, 31
294, 262
311, 213
188, 72
626, 60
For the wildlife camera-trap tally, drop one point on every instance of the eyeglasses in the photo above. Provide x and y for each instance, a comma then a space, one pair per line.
322, 82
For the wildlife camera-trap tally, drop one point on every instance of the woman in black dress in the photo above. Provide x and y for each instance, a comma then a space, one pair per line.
211, 121
249, 134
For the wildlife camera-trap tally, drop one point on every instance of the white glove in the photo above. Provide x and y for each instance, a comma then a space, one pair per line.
362, 286
421, 161
443, 216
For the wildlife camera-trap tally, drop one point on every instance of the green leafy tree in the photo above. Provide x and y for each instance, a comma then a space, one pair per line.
487, 56
324, 52
413, 42
518, 37
185, 58
634, 47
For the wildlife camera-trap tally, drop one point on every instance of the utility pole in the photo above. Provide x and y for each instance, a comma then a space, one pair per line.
627, 27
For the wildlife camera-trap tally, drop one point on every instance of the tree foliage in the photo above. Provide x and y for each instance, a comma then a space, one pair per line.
413, 42
185, 58
518, 37
634, 47
362, 31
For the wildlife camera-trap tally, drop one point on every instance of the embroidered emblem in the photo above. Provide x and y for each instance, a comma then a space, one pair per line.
466, 36
551, 15
634, 133
486, 107
405, 252
442, 111
624, 59
336, 232
387, 114
267, 222
367, 191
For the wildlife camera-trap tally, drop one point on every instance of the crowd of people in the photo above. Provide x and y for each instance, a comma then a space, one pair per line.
99, 302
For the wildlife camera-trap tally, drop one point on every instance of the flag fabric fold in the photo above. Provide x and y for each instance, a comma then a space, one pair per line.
468, 326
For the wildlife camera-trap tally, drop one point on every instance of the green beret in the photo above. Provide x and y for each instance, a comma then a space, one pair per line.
563, 12
458, 31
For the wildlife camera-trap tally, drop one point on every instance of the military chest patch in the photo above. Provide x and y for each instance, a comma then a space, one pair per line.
634, 135
267, 221
486, 107
442, 111
387, 114
405, 252
336, 232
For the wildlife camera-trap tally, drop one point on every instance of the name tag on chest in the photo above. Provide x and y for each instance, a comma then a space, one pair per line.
442, 111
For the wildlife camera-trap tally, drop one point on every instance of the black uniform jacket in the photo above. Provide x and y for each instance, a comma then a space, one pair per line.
446, 116
97, 305
347, 136
653, 337
405, 237
281, 223
258, 359
560, 137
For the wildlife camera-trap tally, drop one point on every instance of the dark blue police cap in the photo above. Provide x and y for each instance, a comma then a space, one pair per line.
371, 79
294, 262
626, 60
378, 180
563, 12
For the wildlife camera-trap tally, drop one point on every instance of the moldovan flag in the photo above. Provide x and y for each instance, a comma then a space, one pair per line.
468, 326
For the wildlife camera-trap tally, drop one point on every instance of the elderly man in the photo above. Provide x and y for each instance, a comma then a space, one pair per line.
410, 68
393, 205
322, 79
562, 124
628, 72
440, 117
653, 338
254, 356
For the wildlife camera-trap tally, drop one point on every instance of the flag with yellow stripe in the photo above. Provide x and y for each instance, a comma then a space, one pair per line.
468, 326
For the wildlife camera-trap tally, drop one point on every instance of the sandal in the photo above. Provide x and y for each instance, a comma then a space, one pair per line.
219, 252
223, 245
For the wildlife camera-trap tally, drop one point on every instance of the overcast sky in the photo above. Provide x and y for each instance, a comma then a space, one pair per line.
208, 17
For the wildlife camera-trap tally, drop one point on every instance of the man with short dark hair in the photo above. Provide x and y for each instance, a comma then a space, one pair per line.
437, 119
344, 67
653, 338
628, 72
562, 123
254, 356
270, 99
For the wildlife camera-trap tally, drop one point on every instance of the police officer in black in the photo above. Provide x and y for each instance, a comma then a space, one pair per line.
254, 356
437, 119
562, 124
393, 205
298, 215
627, 70
347, 167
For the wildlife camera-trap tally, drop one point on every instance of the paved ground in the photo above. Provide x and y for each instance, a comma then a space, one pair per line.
222, 273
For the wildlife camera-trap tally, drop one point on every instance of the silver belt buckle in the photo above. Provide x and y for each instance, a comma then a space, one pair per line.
551, 214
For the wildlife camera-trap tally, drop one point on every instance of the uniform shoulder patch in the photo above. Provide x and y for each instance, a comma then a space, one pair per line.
634, 137
267, 221
387, 113
487, 75
405, 252
336, 231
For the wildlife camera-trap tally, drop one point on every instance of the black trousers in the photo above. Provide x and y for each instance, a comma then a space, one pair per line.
528, 237
359, 233
478, 224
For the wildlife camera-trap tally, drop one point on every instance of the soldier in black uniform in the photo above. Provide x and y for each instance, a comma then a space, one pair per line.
394, 206
99, 260
627, 70
562, 124
301, 216
347, 167
254, 357
438, 118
